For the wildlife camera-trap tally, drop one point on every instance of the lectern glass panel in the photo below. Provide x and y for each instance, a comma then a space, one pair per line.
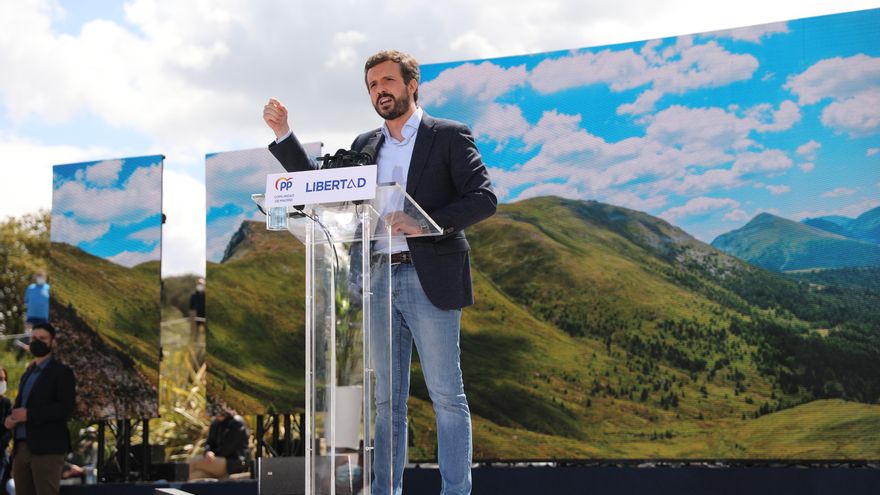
348, 336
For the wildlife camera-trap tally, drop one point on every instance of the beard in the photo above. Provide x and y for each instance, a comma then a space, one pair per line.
400, 106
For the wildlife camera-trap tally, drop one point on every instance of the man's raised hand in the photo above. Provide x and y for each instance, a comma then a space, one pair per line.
275, 115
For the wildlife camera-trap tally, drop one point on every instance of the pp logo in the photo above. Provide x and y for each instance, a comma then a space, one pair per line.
284, 184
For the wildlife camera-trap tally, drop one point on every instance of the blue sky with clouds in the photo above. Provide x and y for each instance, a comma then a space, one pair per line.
705, 131
231, 178
89, 80
110, 208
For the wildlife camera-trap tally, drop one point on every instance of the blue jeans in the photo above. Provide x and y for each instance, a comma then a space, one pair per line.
435, 332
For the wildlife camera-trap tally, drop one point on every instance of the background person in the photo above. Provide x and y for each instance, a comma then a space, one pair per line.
36, 300
197, 310
45, 401
225, 450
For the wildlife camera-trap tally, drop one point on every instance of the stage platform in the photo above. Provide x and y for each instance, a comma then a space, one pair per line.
570, 480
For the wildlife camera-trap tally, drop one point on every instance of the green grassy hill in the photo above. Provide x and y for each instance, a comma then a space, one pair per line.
109, 317
779, 244
598, 332
823, 429
256, 322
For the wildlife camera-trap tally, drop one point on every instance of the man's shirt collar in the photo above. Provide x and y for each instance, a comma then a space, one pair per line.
410, 128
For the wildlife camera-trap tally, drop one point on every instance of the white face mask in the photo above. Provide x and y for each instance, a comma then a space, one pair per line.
41, 280
3, 387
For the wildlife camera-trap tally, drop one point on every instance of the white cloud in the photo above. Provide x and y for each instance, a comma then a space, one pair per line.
699, 206
699, 128
781, 119
105, 173
764, 161
859, 115
634, 201
346, 44
736, 215
837, 78
851, 84
26, 167
148, 235
678, 143
483, 82
706, 65
754, 34
692, 67
473, 44
643, 104
134, 258
840, 191
678, 69
137, 199
620, 69
68, 230
560, 134
500, 122
777, 190
807, 167
808, 150
872, 151
700, 183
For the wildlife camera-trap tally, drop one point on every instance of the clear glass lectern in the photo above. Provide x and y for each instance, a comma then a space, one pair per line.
348, 334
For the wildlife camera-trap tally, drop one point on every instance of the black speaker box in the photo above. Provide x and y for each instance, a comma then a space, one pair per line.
281, 476
169, 471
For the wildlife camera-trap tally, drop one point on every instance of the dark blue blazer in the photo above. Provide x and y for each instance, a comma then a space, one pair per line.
448, 179
50, 405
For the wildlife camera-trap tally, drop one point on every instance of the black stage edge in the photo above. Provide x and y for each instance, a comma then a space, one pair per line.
568, 480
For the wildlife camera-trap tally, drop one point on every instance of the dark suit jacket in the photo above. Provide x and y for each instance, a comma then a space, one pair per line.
229, 439
49, 406
448, 179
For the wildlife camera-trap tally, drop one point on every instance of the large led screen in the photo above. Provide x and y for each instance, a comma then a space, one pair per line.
686, 261
254, 293
104, 275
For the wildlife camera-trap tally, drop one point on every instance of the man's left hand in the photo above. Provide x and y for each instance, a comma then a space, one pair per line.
19, 415
401, 223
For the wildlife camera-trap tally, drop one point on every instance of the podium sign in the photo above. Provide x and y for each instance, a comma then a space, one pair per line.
313, 187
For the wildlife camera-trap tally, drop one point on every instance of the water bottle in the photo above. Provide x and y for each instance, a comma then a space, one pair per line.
91, 475
276, 218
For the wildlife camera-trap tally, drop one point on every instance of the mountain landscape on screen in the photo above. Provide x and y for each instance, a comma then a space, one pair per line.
600, 332
113, 347
258, 286
782, 245
866, 227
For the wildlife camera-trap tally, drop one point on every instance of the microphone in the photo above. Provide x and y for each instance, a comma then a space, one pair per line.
372, 146
351, 158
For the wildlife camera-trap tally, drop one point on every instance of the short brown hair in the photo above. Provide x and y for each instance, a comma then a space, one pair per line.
409, 67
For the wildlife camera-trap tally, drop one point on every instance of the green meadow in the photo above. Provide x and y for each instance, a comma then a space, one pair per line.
599, 332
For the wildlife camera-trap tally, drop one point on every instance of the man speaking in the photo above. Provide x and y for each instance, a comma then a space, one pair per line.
438, 164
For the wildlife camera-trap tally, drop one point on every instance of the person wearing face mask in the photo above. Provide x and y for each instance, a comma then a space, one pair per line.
197, 310
5, 433
45, 401
36, 300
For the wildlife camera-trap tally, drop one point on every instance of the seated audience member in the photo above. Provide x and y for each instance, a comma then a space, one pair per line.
225, 450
